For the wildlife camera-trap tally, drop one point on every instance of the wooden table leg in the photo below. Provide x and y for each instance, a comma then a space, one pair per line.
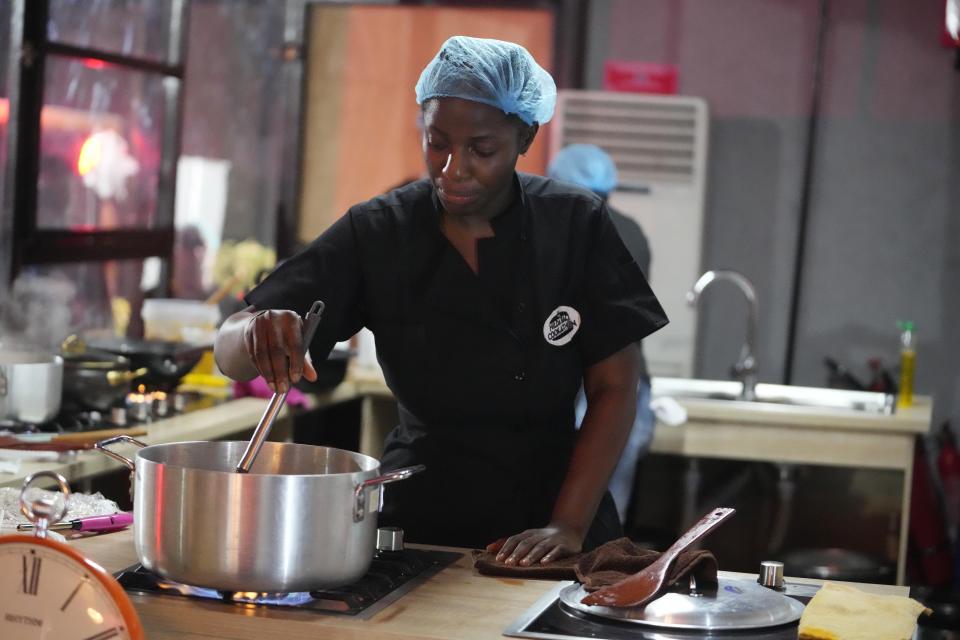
905, 516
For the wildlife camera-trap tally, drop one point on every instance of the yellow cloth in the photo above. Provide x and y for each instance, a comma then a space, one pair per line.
841, 612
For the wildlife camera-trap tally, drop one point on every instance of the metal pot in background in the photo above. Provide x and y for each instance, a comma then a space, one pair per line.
95, 379
838, 564
301, 519
31, 384
166, 362
99, 384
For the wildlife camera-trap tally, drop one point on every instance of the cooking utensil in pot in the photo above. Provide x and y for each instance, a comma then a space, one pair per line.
299, 521
310, 323
31, 385
645, 584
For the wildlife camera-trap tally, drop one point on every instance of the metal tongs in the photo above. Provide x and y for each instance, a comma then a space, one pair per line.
310, 323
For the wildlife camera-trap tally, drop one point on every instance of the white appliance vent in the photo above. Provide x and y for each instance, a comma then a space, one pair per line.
660, 146
651, 139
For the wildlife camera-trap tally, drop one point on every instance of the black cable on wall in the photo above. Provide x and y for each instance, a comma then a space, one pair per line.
803, 216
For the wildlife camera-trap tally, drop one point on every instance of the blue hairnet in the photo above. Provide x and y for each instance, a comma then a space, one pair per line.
586, 165
493, 72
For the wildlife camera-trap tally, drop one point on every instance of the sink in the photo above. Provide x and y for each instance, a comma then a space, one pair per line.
811, 397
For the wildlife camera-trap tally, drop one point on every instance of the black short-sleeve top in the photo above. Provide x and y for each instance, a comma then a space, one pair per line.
556, 292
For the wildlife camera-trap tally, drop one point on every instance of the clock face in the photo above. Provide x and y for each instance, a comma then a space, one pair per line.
47, 594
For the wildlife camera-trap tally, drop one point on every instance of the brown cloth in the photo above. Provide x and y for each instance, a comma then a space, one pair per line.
605, 565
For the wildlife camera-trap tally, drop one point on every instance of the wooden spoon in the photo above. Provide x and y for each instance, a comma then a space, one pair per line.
644, 585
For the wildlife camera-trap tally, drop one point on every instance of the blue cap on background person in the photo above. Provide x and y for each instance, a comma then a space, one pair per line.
493, 72
585, 165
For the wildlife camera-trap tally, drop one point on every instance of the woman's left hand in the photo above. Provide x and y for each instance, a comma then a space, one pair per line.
538, 545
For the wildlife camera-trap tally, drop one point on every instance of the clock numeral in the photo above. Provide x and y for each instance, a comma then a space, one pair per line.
31, 575
105, 635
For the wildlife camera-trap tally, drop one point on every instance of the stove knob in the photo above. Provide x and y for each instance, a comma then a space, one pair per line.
389, 539
118, 416
179, 402
771, 574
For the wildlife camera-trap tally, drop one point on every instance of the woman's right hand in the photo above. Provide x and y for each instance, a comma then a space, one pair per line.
273, 339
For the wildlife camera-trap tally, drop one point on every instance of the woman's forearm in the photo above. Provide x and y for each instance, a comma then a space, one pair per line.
611, 389
603, 434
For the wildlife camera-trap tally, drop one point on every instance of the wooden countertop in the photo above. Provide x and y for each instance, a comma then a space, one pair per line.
915, 419
213, 423
719, 416
769, 432
455, 604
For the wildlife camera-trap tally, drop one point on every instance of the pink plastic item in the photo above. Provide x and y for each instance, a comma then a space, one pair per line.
257, 388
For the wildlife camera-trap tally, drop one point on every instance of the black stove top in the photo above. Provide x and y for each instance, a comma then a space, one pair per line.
391, 575
73, 418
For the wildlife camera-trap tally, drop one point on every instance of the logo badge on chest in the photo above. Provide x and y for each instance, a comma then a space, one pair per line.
561, 325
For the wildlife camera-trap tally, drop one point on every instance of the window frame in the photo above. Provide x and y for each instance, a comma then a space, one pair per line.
20, 239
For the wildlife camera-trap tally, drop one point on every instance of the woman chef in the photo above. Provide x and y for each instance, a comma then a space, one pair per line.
491, 295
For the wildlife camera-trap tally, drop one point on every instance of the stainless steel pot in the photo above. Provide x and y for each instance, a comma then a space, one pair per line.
31, 384
300, 520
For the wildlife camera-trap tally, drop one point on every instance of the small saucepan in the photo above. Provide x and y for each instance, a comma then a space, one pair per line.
31, 383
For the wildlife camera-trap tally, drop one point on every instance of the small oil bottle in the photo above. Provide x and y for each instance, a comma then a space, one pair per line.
908, 360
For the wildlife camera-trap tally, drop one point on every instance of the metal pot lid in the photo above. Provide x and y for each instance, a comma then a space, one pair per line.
733, 604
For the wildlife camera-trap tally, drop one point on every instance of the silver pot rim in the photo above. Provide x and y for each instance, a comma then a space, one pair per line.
28, 357
372, 464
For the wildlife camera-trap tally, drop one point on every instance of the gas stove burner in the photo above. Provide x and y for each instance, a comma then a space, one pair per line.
72, 420
15, 427
391, 574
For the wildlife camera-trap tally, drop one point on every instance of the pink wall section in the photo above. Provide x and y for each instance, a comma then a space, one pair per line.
754, 58
746, 57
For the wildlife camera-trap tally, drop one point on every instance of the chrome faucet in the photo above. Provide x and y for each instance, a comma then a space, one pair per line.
745, 368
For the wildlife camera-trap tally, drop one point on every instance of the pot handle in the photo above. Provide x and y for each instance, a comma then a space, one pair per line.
360, 493
115, 378
103, 444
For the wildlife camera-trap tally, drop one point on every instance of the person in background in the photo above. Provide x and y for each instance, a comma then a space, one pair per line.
189, 252
589, 166
492, 296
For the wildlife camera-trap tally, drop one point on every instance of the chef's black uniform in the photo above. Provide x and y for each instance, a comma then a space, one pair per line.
484, 367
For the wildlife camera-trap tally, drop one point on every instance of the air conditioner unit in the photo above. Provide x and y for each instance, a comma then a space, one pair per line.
660, 146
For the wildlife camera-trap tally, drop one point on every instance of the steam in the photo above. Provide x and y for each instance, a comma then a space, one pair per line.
37, 313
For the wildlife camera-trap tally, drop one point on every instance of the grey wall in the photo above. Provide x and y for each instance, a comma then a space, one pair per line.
883, 235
